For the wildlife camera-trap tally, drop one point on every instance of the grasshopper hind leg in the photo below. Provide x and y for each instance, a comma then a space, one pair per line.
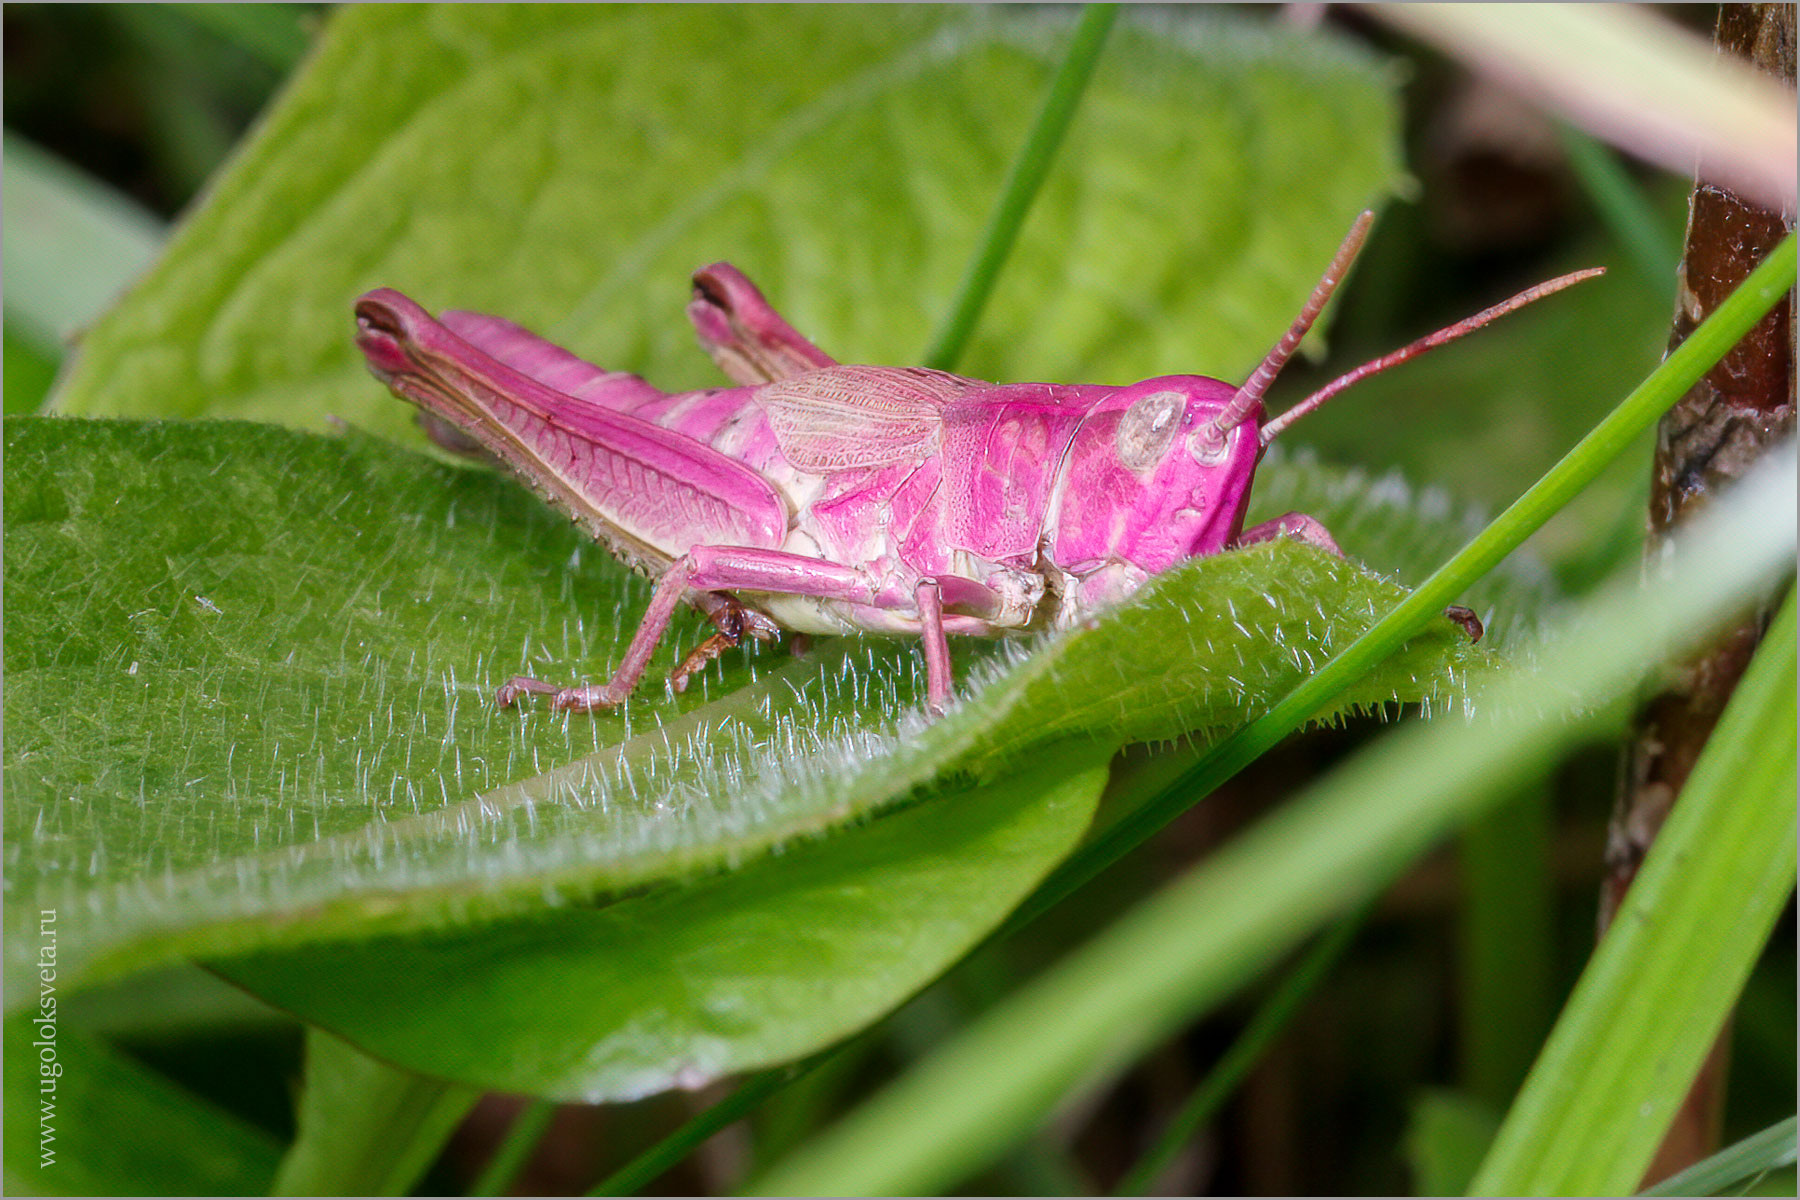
704, 571
669, 590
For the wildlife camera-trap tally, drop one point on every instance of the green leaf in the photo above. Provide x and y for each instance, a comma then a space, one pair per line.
104, 1125
250, 679
1448, 1134
735, 971
365, 1127
1668, 971
1182, 951
569, 166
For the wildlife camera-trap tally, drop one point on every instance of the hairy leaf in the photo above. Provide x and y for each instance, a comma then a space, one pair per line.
687, 983
248, 696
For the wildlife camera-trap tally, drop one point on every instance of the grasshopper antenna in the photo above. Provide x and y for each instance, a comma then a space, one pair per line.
1251, 394
1449, 334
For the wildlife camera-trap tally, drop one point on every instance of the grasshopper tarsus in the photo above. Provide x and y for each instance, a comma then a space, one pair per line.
562, 699
701, 655
522, 685
588, 699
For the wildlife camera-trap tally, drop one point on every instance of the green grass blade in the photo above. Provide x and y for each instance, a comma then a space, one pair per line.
1653, 250
1671, 965
1766, 1150
527, 1130
273, 34
1193, 943
1447, 1135
366, 1128
1270, 1019
1022, 183
678, 1145
72, 244
1505, 946
1635, 414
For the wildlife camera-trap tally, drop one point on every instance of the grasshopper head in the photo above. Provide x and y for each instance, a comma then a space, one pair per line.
1151, 479
1161, 471
1195, 442
1184, 452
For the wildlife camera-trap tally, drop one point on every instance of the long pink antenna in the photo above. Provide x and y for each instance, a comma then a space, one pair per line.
1466, 326
1251, 393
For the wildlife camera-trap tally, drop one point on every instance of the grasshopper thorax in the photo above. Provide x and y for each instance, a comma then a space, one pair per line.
1149, 479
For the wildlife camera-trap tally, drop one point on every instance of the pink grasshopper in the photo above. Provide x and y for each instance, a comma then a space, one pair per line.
829, 499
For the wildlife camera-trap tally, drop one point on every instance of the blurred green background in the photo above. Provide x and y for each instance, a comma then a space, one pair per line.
117, 116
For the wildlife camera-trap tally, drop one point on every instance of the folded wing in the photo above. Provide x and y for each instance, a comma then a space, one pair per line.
843, 418
648, 492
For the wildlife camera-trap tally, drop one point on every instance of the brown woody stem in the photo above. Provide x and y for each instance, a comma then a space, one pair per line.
1724, 424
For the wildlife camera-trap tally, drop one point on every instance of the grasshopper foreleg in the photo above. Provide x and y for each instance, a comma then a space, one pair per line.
1295, 525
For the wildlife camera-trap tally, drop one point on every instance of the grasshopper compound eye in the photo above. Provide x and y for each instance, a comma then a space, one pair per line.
1148, 427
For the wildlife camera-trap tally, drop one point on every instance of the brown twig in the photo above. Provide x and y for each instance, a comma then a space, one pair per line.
1719, 429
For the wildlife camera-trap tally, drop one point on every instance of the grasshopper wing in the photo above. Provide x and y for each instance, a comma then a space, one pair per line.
843, 418
649, 493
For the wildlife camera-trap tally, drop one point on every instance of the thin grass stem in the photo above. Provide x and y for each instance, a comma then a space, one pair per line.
1265, 1026
521, 1139
1023, 180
